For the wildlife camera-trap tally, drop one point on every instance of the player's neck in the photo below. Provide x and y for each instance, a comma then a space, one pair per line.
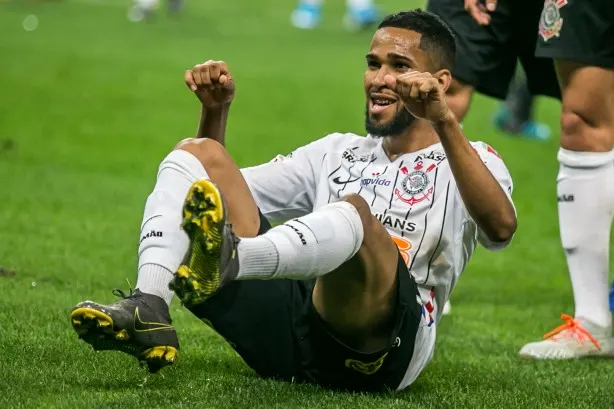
419, 135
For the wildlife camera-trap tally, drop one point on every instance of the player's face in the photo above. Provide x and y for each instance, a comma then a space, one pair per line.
394, 51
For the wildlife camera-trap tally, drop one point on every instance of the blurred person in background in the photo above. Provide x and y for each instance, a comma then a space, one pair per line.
515, 115
359, 14
146, 9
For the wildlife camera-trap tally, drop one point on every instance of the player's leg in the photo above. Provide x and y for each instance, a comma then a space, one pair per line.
485, 61
586, 203
515, 115
579, 31
160, 254
587, 170
254, 317
365, 317
356, 299
162, 247
341, 244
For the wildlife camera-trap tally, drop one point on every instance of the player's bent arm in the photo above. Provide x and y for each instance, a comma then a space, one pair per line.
213, 122
486, 201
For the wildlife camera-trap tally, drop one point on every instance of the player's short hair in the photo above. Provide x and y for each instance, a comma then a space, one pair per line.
437, 37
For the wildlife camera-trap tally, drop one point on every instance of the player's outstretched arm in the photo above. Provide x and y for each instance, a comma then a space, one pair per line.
213, 85
486, 201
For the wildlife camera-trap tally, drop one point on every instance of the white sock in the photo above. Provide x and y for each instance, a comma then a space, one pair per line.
585, 190
359, 4
163, 243
307, 247
312, 3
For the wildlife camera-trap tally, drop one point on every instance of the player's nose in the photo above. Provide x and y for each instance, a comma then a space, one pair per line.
378, 79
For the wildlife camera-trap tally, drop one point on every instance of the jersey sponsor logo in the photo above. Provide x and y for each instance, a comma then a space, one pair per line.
338, 180
551, 22
437, 156
415, 185
376, 181
404, 245
152, 233
393, 222
367, 368
351, 156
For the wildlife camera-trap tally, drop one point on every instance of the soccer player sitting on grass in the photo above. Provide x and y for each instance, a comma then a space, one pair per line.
375, 232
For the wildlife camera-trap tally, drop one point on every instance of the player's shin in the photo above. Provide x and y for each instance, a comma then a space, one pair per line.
162, 242
307, 247
585, 202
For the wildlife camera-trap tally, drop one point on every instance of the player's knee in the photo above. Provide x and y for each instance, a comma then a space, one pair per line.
375, 242
587, 109
210, 153
184, 142
363, 209
579, 133
571, 123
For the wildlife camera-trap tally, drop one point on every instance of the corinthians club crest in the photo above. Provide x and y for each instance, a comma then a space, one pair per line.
551, 22
415, 185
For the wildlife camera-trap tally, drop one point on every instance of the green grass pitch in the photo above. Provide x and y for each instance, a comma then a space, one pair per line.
90, 104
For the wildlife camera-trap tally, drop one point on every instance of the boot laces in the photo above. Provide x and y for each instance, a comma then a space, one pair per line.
571, 328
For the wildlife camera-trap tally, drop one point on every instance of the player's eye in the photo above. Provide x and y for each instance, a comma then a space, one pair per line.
373, 64
401, 66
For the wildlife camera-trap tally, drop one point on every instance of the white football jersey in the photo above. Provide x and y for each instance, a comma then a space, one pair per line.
415, 197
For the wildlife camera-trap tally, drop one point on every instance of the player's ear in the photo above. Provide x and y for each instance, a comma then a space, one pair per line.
444, 77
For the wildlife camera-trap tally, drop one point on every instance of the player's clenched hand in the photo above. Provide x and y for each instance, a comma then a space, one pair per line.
212, 83
422, 94
480, 9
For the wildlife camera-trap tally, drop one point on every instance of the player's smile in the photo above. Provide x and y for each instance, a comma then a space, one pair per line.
380, 102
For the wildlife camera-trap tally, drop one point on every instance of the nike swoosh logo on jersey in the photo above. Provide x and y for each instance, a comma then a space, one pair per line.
140, 326
338, 180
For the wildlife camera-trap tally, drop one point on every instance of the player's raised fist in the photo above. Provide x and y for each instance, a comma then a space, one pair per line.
212, 83
422, 94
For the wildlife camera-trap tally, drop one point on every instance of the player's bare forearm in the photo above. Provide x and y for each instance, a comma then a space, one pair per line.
214, 87
212, 123
484, 198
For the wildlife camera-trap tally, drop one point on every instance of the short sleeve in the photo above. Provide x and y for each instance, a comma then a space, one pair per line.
495, 164
285, 187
